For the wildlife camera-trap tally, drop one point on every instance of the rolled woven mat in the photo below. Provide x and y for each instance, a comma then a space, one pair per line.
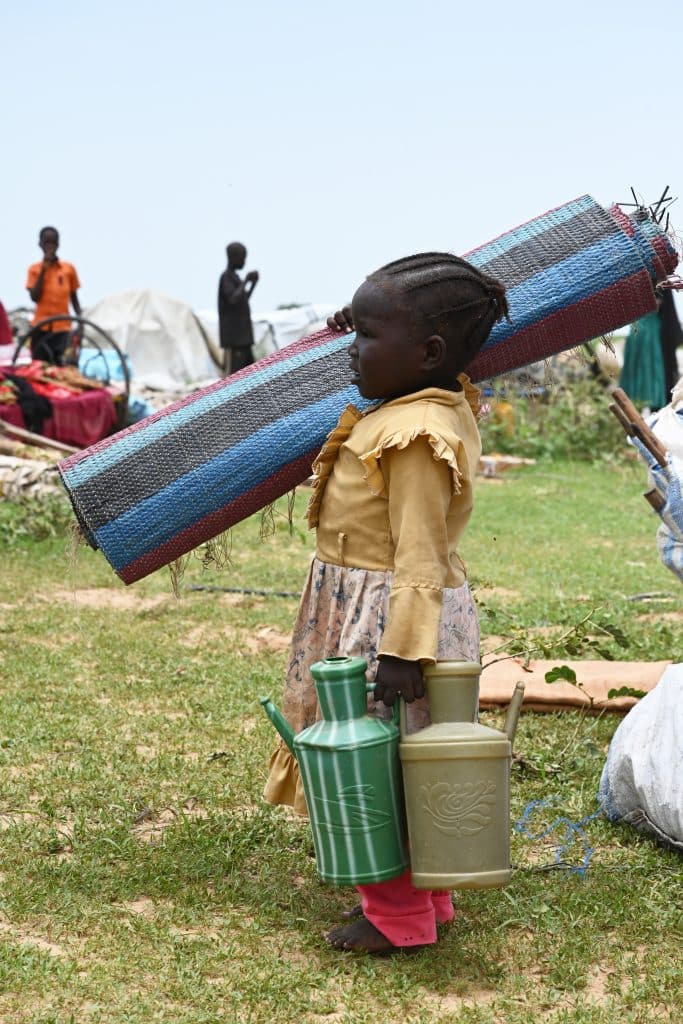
161, 487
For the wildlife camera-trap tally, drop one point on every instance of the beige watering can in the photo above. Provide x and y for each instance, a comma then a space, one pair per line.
456, 777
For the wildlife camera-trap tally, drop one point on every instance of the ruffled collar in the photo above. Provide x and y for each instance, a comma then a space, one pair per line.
323, 465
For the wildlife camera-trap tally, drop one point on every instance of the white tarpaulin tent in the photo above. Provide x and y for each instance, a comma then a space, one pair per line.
169, 347
276, 328
161, 337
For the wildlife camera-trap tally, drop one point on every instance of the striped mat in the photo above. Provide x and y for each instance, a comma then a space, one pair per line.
161, 487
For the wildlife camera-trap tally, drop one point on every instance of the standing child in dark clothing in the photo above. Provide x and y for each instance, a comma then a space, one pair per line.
391, 498
234, 315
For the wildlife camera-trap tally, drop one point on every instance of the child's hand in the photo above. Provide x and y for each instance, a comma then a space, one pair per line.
341, 321
396, 676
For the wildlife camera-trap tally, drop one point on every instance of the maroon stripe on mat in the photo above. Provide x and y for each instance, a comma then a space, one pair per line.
303, 345
620, 304
668, 259
275, 486
623, 220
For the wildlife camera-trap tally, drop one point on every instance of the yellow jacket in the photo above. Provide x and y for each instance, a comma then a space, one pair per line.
393, 490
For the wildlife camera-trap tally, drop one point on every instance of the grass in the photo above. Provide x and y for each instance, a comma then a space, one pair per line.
143, 880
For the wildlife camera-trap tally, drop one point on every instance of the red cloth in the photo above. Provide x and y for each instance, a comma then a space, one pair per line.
51, 389
80, 420
405, 915
5, 329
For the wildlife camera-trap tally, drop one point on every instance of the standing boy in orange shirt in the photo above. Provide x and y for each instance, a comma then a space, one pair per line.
52, 284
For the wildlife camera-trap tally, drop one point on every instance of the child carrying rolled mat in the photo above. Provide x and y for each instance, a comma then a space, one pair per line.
391, 497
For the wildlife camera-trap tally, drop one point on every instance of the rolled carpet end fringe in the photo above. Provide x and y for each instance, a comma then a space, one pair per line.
165, 485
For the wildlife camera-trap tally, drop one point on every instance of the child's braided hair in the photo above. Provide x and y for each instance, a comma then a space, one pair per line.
451, 296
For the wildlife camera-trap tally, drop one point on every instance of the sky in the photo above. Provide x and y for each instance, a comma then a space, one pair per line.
329, 138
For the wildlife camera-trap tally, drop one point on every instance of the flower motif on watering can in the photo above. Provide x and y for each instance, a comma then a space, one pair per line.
460, 809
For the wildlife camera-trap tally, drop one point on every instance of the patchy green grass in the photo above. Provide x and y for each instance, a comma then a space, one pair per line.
143, 880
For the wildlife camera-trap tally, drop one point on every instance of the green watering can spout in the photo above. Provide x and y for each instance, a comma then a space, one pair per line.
279, 721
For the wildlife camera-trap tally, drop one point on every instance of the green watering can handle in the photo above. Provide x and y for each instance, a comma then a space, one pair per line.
397, 711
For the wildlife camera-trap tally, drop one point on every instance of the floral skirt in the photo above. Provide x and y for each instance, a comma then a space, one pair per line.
343, 612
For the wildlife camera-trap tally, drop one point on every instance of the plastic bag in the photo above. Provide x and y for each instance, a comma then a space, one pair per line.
642, 781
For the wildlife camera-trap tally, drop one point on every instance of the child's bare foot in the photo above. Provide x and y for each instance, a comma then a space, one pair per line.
361, 936
353, 913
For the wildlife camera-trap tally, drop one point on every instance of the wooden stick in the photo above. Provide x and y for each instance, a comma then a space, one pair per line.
36, 439
655, 499
633, 430
641, 429
624, 420
629, 409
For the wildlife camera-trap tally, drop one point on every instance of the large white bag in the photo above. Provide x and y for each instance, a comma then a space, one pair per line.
642, 781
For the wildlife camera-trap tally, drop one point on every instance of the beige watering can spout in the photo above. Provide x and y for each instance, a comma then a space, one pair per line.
512, 716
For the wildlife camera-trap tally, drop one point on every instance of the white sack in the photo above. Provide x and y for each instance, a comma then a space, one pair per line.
642, 781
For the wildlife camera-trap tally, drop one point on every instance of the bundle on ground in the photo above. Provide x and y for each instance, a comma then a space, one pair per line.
158, 489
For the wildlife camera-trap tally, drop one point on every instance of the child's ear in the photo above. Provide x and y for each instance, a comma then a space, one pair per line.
435, 351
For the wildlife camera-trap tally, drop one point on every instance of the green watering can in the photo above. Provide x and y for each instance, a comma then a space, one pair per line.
352, 778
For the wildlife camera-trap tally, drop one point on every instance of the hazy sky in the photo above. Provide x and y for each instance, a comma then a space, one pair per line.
329, 137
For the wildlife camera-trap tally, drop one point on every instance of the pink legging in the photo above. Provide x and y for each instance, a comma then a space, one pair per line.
405, 915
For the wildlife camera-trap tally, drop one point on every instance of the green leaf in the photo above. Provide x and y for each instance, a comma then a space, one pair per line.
617, 634
626, 691
561, 672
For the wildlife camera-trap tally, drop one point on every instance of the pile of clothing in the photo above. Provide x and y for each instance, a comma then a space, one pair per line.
15, 388
57, 401
642, 784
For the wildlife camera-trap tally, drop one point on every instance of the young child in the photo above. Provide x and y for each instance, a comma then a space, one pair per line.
391, 497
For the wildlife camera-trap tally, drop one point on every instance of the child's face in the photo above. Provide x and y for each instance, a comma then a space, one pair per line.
385, 357
237, 256
49, 243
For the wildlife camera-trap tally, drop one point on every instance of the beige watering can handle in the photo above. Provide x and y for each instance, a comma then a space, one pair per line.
402, 722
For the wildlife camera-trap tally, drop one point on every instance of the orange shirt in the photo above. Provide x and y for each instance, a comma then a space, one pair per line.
59, 283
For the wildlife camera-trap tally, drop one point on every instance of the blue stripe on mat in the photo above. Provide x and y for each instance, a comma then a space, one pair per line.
611, 260
139, 439
216, 483
510, 240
